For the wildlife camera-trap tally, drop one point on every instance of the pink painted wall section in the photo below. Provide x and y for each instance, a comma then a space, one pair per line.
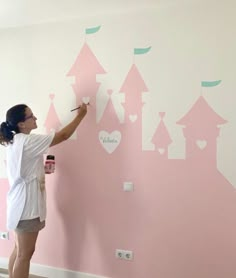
5, 246
180, 219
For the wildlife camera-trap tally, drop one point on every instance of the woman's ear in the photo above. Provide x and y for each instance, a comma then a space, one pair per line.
21, 125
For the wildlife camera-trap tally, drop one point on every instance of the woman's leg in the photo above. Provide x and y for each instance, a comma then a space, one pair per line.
12, 262
25, 245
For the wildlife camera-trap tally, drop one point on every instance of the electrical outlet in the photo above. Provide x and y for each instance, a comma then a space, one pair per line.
128, 186
128, 255
124, 254
4, 235
119, 253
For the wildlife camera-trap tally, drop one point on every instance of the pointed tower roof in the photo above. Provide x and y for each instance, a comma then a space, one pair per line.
109, 117
201, 114
86, 63
134, 81
161, 137
52, 121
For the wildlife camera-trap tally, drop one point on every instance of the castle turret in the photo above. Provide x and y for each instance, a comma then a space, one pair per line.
85, 70
133, 87
161, 138
109, 119
201, 132
52, 121
109, 128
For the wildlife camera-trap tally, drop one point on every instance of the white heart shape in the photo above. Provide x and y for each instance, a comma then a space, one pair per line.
161, 151
110, 141
133, 118
86, 100
201, 144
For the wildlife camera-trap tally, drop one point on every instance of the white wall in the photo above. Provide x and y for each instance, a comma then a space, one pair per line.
191, 41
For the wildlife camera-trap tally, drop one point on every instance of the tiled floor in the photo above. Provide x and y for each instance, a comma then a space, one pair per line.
4, 274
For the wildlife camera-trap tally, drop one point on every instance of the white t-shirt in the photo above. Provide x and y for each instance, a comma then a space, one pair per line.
27, 196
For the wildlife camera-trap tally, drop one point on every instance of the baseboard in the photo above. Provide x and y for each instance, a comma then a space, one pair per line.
51, 272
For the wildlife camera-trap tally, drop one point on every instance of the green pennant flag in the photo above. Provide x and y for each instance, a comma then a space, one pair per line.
93, 30
210, 83
138, 51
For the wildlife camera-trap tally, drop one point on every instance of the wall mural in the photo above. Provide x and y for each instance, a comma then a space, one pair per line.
186, 203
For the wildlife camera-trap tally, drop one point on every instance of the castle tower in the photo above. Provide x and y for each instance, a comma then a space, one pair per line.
52, 121
133, 87
85, 70
109, 133
161, 138
109, 119
201, 132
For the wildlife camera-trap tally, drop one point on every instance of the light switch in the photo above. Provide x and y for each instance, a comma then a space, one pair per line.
128, 186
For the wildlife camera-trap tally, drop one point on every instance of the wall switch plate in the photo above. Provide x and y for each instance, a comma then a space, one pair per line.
128, 186
4, 235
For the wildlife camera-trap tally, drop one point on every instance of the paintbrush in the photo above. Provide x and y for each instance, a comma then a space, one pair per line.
78, 107
75, 109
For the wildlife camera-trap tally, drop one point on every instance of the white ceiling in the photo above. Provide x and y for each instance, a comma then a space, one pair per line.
15, 13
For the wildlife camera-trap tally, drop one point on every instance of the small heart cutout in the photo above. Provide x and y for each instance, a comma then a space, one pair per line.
161, 150
133, 118
86, 100
201, 144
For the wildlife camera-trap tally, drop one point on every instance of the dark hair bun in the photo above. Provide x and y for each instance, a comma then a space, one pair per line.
6, 131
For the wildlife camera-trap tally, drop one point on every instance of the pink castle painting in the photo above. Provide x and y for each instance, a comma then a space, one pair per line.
180, 220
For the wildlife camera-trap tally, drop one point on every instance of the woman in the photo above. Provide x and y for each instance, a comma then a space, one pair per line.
26, 199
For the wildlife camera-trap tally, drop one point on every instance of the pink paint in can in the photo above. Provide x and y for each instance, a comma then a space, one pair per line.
49, 166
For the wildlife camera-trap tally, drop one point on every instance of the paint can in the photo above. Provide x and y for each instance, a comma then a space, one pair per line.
49, 166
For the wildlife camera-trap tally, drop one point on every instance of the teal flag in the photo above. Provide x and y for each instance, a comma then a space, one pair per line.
92, 30
138, 51
210, 83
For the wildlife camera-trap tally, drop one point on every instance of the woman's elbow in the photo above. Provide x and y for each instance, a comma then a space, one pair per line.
59, 138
